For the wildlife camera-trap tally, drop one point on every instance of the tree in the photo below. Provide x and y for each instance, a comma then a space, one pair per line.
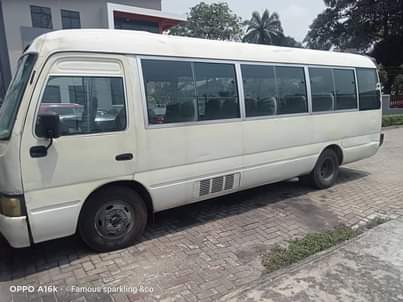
213, 21
288, 41
397, 87
373, 27
383, 75
263, 29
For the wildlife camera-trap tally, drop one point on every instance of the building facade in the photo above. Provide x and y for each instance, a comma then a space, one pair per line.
23, 20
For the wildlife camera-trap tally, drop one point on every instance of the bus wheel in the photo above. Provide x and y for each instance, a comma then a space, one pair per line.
112, 219
326, 170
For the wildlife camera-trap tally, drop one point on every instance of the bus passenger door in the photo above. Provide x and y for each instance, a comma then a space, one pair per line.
96, 146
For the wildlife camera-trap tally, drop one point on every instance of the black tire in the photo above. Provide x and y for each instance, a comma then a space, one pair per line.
112, 219
325, 172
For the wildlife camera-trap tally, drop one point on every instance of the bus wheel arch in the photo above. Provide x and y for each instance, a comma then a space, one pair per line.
338, 150
114, 215
326, 169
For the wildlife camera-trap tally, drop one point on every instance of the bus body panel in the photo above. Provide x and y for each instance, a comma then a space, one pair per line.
173, 162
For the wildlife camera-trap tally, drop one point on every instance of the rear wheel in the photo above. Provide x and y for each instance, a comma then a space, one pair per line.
113, 218
326, 170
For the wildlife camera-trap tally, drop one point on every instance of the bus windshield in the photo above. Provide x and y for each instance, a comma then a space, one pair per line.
12, 100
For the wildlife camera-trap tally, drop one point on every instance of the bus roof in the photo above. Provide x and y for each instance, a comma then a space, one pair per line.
144, 43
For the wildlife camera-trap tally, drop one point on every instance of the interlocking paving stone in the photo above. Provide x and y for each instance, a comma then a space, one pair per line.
204, 251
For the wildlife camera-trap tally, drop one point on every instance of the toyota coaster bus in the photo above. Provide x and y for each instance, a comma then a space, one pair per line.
100, 129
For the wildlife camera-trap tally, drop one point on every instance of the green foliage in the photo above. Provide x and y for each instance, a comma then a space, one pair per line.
263, 29
216, 21
313, 243
383, 74
372, 27
288, 41
356, 24
213, 21
299, 249
397, 86
392, 120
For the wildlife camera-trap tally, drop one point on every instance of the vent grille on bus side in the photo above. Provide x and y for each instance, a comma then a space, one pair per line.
229, 182
216, 184
204, 187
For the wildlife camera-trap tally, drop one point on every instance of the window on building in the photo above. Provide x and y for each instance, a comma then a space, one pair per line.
370, 98
346, 93
70, 19
85, 104
179, 92
41, 17
130, 24
291, 88
260, 90
323, 97
216, 90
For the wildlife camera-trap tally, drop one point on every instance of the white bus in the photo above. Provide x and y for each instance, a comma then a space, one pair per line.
100, 129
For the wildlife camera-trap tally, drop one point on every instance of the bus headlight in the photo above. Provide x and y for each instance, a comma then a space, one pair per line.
10, 206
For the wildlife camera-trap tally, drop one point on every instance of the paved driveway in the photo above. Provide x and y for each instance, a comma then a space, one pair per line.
204, 251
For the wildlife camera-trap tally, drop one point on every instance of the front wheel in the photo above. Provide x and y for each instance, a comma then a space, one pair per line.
112, 219
325, 172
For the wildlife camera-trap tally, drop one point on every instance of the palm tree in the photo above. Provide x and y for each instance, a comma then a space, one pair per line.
263, 29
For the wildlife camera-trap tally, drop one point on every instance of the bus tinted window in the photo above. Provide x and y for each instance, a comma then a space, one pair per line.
85, 104
291, 90
346, 93
260, 90
185, 91
322, 89
170, 91
369, 95
216, 90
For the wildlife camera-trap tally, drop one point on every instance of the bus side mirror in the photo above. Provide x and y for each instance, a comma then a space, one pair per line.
49, 125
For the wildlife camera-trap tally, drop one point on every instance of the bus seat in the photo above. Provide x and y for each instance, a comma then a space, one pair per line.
293, 104
213, 108
322, 102
251, 107
188, 111
172, 113
230, 109
267, 106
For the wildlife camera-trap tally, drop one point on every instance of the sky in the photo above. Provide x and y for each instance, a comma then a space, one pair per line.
296, 15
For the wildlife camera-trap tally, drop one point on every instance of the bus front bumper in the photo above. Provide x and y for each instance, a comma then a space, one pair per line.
15, 230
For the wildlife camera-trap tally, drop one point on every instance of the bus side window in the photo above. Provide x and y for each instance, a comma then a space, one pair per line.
260, 90
323, 94
369, 95
85, 104
216, 90
170, 92
178, 92
346, 92
292, 90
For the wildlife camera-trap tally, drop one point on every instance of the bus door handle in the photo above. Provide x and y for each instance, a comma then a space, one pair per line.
38, 151
124, 157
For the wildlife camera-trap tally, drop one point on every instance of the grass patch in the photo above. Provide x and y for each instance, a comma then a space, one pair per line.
310, 244
392, 120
